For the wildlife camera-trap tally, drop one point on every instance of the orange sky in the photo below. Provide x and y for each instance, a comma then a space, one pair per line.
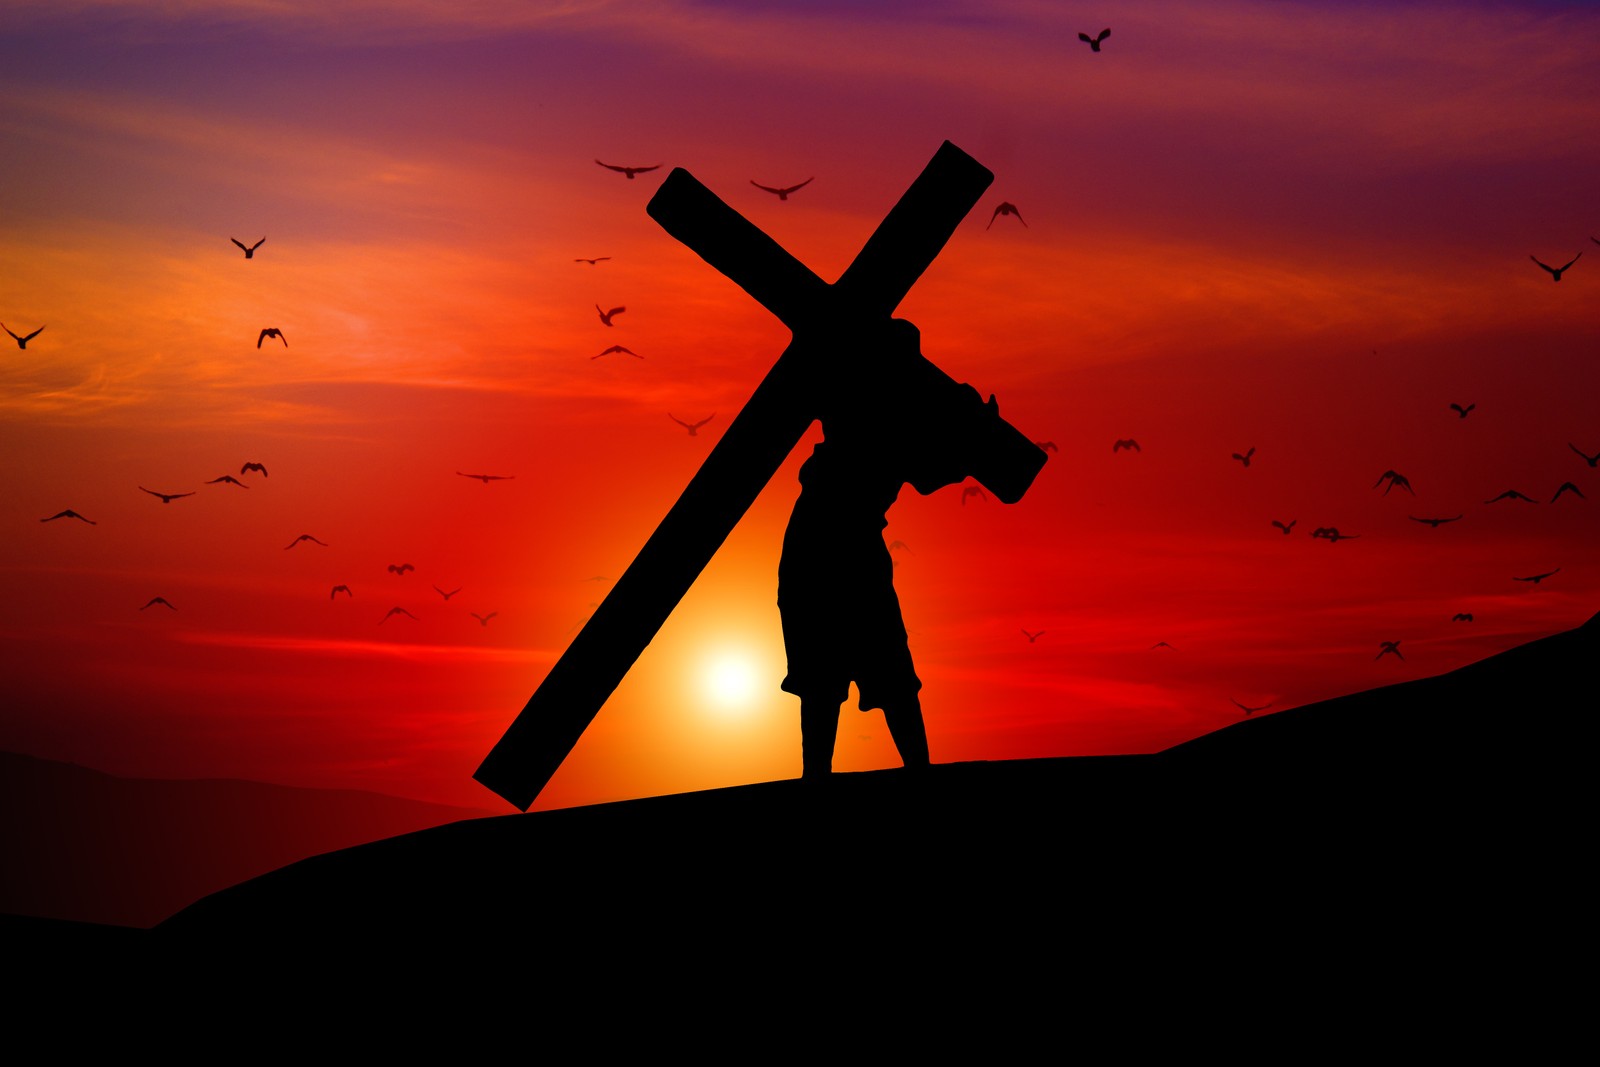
1299, 227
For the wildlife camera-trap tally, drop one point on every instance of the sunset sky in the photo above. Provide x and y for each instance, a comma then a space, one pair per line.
1302, 228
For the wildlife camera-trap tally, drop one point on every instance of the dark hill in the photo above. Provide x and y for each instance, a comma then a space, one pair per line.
1410, 804
1525, 707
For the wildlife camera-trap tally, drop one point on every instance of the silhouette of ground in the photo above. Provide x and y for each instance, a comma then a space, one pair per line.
1435, 823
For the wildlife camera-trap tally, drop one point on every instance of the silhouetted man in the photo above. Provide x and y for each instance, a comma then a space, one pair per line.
841, 618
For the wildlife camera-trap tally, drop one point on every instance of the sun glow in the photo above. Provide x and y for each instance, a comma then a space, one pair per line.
729, 678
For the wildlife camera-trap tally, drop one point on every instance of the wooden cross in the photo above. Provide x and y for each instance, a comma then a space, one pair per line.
756, 442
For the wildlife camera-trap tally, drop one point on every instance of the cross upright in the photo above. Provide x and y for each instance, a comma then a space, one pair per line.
760, 437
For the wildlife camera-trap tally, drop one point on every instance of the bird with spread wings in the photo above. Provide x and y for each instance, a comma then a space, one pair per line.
22, 342
1006, 208
629, 172
1556, 272
693, 428
167, 498
783, 193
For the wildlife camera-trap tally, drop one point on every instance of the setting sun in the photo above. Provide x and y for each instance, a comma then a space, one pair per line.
730, 680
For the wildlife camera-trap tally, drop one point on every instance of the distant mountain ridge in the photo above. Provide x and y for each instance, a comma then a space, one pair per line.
84, 845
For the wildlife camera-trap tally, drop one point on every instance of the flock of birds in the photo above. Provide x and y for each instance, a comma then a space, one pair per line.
1390, 480
397, 569
254, 467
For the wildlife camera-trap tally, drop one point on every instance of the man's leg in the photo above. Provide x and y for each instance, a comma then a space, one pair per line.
819, 726
909, 733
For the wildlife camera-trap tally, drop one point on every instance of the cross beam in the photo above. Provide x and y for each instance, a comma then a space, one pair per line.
751, 448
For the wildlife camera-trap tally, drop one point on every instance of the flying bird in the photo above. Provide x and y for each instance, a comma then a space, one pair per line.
629, 172
1331, 533
230, 479
400, 568
1593, 461
1095, 41
1125, 443
619, 350
694, 428
483, 620
1284, 528
250, 251
1394, 478
592, 262
22, 342
336, 590
1006, 208
248, 467
972, 490
1245, 459
69, 514
1388, 647
1248, 710
1463, 410
901, 545
304, 537
396, 611
1461, 616
1435, 523
1032, 637
1537, 578
448, 595
158, 600
783, 194
1047, 446
487, 478
166, 498
1511, 494
1566, 487
272, 331
605, 316
1556, 272
1161, 644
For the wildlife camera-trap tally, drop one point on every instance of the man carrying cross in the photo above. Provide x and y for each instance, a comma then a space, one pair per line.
889, 416
841, 618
